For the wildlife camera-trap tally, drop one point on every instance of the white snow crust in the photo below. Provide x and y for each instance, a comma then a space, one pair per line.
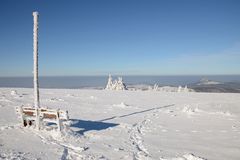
128, 125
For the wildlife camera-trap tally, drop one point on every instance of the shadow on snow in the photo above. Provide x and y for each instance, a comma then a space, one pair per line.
138, 112
85, 125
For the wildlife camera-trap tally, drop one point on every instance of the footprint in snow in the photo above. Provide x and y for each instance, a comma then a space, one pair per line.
234, 128
65, 154
121, 105
93, 98
6, 127
118, 149
189, 156
56, 99
71, 95
223, 131
4, 99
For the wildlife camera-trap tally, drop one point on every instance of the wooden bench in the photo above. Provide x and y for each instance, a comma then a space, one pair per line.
28, 115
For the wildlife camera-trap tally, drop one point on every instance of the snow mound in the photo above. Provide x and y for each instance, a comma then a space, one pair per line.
189, 110
223, 113
14, 93
7, 127
189, 156
56, 100
192, 157
121, 105
15, 155
93, 98
4, 99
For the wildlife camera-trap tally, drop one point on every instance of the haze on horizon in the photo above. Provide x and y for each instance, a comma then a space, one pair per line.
136, 37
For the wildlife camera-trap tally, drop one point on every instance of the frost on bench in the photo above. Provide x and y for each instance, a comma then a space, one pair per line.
28, 116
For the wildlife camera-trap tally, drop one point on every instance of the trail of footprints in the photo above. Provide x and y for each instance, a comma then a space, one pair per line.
140, 152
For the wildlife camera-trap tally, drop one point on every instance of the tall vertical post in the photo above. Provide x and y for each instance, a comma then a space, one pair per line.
35, 66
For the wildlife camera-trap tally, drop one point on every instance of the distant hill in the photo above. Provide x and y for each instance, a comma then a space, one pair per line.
217, 87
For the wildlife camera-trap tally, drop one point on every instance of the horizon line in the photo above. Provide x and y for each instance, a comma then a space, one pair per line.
123, 75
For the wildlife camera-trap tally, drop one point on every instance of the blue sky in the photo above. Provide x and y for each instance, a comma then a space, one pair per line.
124, 37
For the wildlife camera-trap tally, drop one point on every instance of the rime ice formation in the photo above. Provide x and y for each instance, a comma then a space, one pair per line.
179, 88
185, 89
170, 89
35, 66
119, 85
110, 83
116, 84
155, 87
35, 59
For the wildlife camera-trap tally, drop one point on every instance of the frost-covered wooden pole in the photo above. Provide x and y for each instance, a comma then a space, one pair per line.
35, 59
35, 66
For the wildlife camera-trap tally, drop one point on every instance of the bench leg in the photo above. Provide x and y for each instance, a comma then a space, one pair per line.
58, 122
23, 121
30, 122
59, 125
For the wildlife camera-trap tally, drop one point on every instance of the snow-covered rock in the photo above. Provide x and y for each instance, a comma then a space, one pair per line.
14, 93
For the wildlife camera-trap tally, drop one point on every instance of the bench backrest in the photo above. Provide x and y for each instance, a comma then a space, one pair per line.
44, 113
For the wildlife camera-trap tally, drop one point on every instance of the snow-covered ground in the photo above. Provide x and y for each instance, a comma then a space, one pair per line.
127, 125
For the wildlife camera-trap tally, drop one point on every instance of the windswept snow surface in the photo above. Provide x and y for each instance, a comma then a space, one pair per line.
139, 125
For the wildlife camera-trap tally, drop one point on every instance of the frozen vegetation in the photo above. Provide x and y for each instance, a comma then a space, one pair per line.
170, 89
108, 124
158, 88
120, 85
116, 84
